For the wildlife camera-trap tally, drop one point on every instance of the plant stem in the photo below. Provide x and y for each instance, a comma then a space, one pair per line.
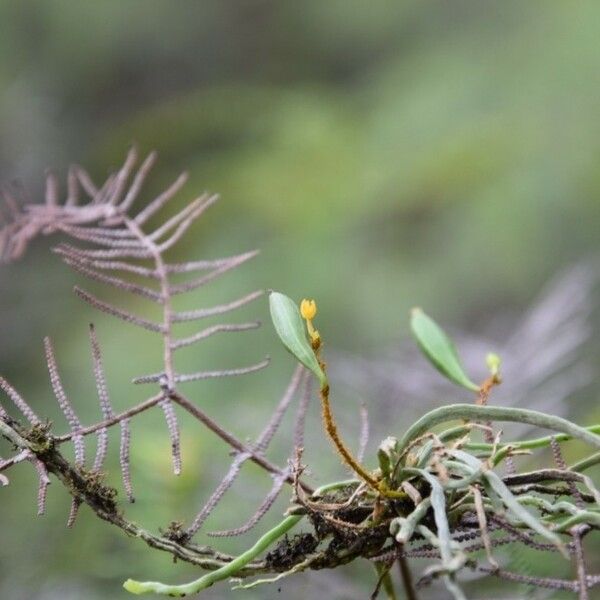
585, 463
335, 485
334, 436
229, 570
407, 580
228, 438
385, 581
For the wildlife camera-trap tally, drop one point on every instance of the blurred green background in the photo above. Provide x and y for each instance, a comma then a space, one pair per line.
380, 154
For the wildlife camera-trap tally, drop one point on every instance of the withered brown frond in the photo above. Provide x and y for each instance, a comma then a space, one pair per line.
110, 244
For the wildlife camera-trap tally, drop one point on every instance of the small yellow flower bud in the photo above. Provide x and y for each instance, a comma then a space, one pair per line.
493, 363
308, 309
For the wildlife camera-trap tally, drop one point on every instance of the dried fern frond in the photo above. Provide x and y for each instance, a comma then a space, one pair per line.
104, 223
111, 244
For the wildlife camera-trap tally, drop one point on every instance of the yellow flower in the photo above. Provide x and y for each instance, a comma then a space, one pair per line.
308, 309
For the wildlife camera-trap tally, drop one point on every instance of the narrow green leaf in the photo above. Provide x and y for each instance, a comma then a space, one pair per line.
438, 348
438, 503
472, 412
510, 501
291, 330
522, 513
225, 572
451, 561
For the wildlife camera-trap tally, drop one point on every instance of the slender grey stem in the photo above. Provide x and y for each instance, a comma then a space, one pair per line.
138, 408
230, 439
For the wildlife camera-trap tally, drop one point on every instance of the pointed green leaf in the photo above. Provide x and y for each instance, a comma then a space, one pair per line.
511, 502
438, 348
291, 330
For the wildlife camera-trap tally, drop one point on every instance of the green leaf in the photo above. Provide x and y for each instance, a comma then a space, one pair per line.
387, 456
438, 348
291, 330
511, 502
